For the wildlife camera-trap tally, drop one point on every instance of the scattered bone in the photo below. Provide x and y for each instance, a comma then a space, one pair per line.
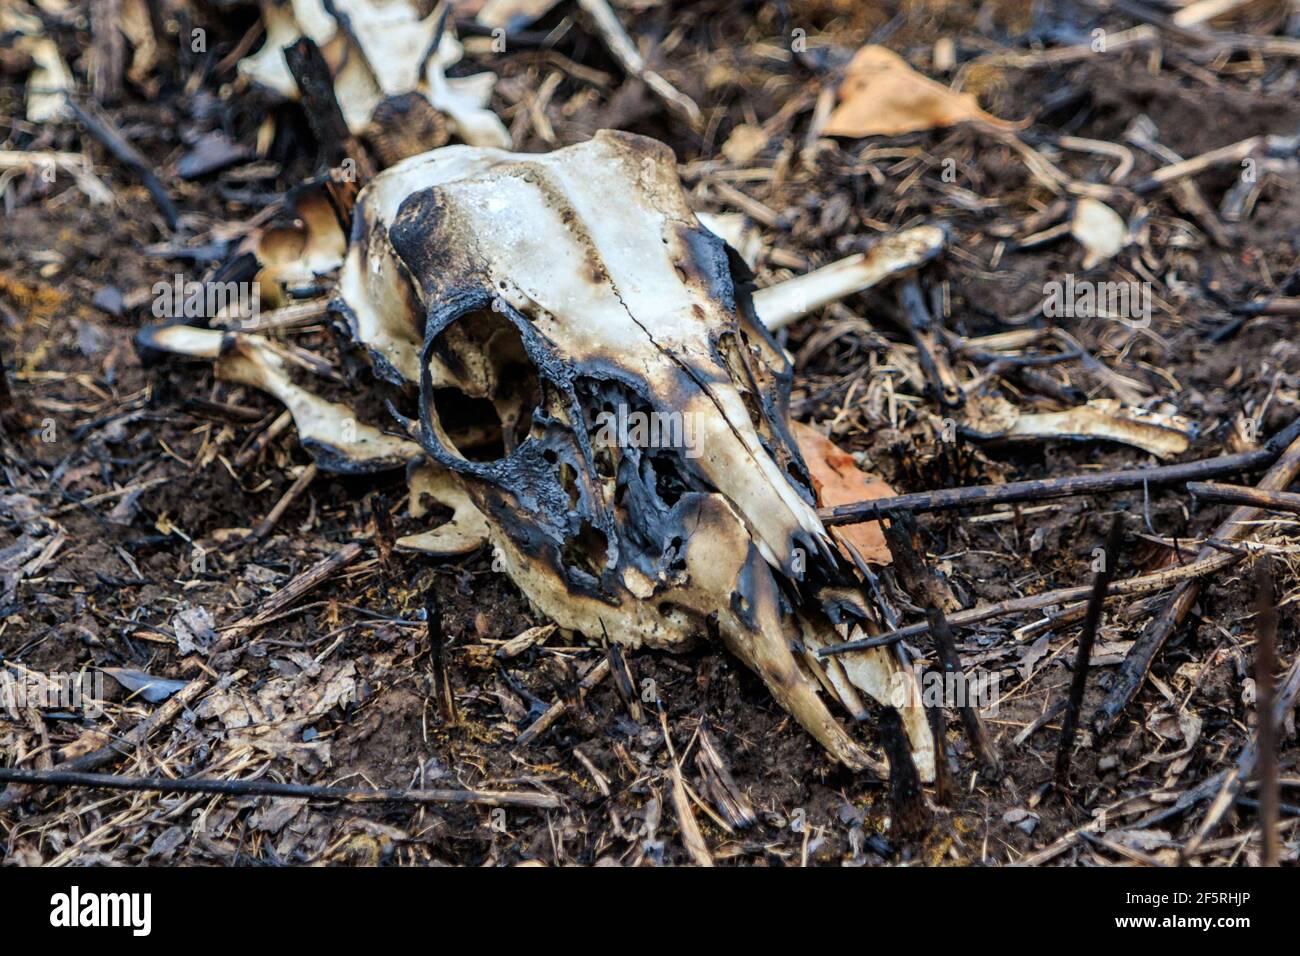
781, 304
1099, 229
50, 79
464, 532
738, 231
513, 13
75, 164
379, 50
332, 432
1202, 11
533, 637
990, 417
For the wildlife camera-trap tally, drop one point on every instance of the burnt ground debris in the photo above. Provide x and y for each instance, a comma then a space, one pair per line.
114, 469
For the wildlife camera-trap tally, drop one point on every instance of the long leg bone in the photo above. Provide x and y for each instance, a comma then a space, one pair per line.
779, 305
331, 431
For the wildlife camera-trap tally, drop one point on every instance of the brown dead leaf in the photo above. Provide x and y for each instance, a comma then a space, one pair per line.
838, 480
883, 96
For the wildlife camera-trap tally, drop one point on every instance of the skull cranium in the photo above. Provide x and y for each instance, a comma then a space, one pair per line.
532, 301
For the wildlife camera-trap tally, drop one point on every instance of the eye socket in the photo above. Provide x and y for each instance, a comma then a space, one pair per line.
488, 413
471, 424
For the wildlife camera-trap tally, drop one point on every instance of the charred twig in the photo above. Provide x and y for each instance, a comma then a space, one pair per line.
624, 685
1046, 489
133, 738
223, 411
317, 574
103, 130
437, 639
976, 732
267, 524
1023, 369
1039, 722
278, 427
1245, 495
324, 115
1142, 584
1137, 664
1274, 305
593, 677
903, 539
907, 807
1265, 668
930, 345
271, 788
944, 789
1083, 656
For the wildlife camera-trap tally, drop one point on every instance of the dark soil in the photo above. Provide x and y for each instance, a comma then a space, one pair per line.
89, 418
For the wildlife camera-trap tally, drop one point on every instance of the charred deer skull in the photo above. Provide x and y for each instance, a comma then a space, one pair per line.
532, 306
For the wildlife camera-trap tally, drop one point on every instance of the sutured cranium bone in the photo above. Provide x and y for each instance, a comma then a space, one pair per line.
525, 303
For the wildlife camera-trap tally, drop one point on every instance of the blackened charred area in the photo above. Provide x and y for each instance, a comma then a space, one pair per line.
440, 264
151, 347
538, 481
649, 475
489, 412
351, 332
368, 237
765, 376
568, 489
744, 599
331, 459
706, 265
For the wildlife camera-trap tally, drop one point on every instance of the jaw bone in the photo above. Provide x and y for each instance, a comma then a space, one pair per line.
525, 298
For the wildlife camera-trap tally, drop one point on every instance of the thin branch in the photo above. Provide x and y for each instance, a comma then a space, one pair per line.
1265, 668
949, 499
1083, 656
1244, 495
270, 788
1142, 584
1133, 672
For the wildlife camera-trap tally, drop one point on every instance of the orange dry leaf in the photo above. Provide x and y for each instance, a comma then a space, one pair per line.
838, 481
883, 96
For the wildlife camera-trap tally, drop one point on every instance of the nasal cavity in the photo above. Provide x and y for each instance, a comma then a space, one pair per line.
586, 551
